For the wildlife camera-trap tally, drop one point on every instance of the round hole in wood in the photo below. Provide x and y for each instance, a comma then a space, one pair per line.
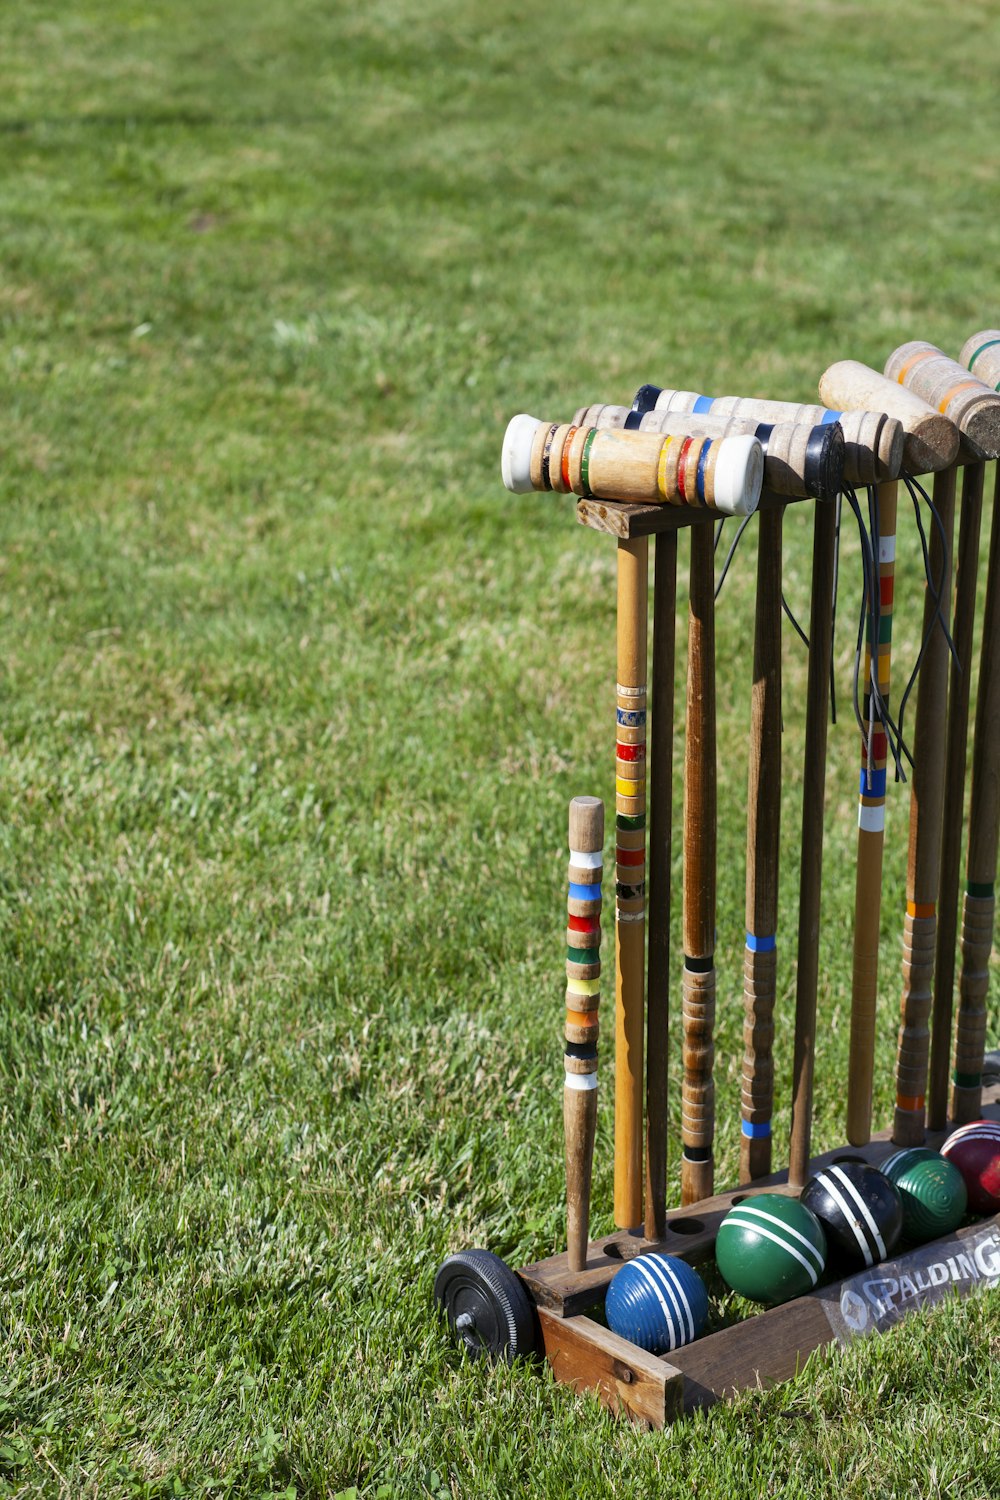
686, 1226
625, 1248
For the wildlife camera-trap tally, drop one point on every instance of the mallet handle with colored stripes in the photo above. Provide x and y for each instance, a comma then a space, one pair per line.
583, 994
871, 840
932, 440
763, 831
698, 978
979, 900
798, 460
873, 441
642, 467
630, 872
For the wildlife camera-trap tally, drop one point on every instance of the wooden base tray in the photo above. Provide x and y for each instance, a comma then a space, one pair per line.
761, 1350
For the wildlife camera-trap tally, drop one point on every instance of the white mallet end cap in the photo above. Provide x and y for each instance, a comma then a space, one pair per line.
515, 456
739, 475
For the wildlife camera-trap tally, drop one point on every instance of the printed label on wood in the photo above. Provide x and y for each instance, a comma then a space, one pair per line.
875, 1299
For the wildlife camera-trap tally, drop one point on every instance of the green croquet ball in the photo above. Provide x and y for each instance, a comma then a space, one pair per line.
896, 1164
934, 1199
771, 1248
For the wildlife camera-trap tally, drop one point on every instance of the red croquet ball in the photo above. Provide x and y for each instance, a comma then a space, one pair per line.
975, 1150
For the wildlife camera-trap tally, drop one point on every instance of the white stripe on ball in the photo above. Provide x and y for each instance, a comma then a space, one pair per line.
677, 1295
866, 1212
668, 1314
759, 1213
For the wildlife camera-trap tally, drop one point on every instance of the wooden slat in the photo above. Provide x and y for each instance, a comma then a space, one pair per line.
762, 1350
626, 1379
626, 522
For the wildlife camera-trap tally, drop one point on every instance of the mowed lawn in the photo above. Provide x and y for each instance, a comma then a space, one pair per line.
293, 699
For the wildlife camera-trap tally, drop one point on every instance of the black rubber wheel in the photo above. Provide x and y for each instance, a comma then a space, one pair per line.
487, 1308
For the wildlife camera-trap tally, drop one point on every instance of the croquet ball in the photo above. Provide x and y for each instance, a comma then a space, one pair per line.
860, 1210
934, 1199
770, 1248
658, 1302
975, 1150
898, 1162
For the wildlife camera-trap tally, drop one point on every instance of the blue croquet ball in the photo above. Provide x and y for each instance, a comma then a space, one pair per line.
658, 1302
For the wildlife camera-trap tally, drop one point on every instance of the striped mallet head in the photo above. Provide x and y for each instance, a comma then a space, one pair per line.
799, 460
981, 355
950, 388
724, 475
873, 441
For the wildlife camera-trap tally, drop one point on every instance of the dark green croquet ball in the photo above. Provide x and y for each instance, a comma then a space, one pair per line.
770, 1248
934, 1199
897, 1163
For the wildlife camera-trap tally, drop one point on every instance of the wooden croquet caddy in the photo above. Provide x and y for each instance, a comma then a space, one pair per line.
653, 470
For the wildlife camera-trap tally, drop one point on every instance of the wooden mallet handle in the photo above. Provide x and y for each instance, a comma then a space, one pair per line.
871, 841
583, 995
630, 872
923, 872
760, 958
698, 979
981, 867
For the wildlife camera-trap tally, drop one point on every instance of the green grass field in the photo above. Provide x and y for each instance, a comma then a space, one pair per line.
293, 701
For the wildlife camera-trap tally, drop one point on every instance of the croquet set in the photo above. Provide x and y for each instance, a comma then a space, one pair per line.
847, 1242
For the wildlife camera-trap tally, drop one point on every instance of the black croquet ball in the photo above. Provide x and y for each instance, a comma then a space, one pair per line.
860, 1209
